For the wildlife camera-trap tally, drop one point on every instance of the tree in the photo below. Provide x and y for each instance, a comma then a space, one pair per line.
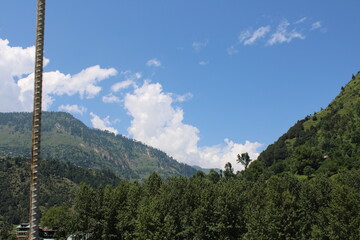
213, 176
244, 159
85, 209
59, 217
153, 184
229, 171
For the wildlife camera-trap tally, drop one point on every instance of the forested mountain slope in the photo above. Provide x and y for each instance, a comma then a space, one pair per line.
324, 142
65, 138
58, 183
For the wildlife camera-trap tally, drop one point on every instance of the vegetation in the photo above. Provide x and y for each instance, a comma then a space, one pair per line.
58, 183
304, 186
281, 207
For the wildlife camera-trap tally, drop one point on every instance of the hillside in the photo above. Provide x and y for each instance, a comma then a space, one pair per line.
324, 142
58, 183
67, 139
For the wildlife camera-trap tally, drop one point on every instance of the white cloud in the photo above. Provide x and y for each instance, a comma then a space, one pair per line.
315, 25
248, 38
110, 98
102, 124
75, 109
244, 35
56, 83
158, 123
130, 80
122, 85
198, 46
301, 20
283, 35
182, 98
17, 62
218, 156
285, 32
153, 63
203, 63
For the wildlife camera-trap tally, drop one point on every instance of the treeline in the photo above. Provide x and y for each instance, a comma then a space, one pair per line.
214, 206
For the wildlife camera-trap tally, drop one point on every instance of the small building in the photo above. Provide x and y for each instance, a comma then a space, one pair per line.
22, 232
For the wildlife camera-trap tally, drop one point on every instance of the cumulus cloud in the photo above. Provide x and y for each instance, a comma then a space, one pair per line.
153, 63
102, 124
156, 122
74, 109
282, 34
218, 156
55, 83
249, 38
198, 46
17, 80
110, 98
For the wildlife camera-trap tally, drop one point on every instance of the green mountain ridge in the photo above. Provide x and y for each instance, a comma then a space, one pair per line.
67, 139
324, 142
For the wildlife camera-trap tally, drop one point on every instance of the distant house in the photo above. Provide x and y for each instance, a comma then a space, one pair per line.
22, 232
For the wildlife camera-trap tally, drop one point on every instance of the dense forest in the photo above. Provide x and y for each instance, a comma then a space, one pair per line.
58, 183
215, 206
304, 186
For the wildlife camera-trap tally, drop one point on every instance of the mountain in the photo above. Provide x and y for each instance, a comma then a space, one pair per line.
67, 139
324, 142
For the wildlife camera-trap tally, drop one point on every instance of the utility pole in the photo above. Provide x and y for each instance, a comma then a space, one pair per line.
36, 128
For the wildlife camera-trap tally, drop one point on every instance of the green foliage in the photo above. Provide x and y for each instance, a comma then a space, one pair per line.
343, 213
281, 207
5, 229
229, 171
59, 218
57, 184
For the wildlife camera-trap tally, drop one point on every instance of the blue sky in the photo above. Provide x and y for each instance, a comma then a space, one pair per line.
201, 80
